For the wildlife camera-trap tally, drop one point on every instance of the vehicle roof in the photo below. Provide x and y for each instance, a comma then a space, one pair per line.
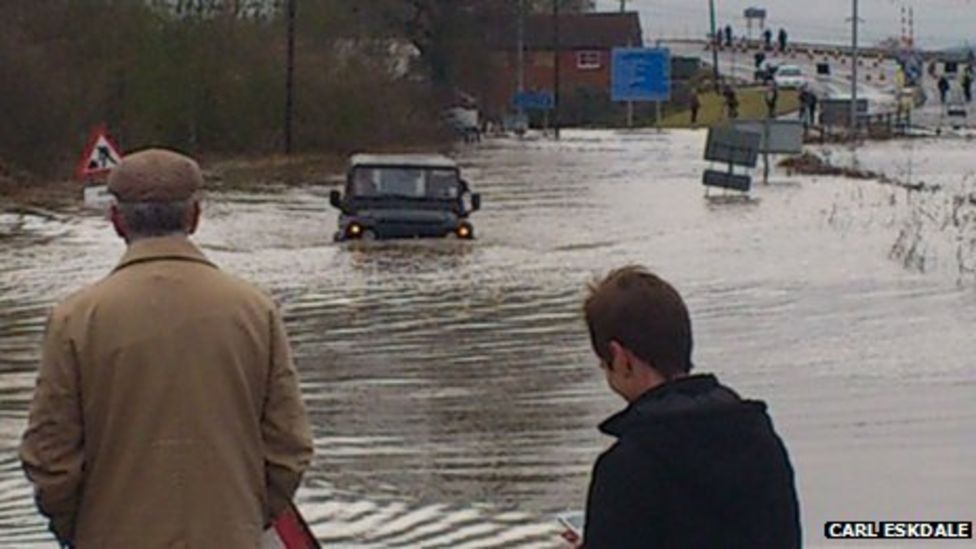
789, 68
403, 160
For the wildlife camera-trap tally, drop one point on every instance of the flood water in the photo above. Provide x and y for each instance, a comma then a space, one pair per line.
452, 390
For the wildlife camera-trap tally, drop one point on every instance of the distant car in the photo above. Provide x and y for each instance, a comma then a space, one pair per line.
789, 77
404, 196
465, 121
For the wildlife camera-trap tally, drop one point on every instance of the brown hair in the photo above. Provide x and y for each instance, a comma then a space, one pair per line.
643, 313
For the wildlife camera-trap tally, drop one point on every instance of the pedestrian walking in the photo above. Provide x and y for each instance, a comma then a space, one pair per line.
728, 36
731, 102
812, 102
943, 88
758, 59
802, 113
167, 410
967, 86
768, 38
694, 104
694, 465
771, 98
782, 40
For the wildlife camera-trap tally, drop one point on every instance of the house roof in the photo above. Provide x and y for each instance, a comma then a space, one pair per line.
577, 31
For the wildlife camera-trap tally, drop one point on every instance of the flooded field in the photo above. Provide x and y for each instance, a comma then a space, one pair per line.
452, 390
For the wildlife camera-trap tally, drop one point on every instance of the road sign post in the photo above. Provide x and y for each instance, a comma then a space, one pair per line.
100, 156
776, 137
640, 74
735, 147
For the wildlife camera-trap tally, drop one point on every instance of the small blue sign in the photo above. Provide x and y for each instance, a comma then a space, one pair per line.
641, 74
534, 100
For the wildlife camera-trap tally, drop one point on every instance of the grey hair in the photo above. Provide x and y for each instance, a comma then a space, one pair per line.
152, 219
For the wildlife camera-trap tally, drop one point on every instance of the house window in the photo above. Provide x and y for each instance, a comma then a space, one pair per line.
589, 60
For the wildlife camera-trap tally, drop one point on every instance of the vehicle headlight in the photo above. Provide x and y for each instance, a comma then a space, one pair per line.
354, 229
464, 231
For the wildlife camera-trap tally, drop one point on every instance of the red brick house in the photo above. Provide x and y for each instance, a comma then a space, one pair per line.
585, 44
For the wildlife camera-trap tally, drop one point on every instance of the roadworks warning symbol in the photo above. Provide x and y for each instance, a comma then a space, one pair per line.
101, 155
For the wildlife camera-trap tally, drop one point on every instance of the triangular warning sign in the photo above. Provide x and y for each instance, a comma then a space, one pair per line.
101, 154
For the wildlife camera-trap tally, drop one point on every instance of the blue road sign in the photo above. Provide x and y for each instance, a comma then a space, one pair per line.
641, 74
534, 100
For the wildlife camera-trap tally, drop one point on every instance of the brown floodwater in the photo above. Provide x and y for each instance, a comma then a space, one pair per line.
453, 394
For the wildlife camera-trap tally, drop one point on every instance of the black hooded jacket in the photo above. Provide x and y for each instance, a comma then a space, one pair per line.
694, 466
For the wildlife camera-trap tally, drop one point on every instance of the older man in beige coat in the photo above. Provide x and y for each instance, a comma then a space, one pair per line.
167, 411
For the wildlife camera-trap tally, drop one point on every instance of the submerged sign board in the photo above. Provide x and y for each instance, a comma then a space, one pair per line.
737, 147
785, 136
724, 180
640, 74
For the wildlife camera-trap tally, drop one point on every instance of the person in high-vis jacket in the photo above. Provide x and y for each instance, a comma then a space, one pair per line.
693, 466
167, 411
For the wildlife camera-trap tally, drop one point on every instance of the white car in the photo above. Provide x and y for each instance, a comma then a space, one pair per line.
789, 77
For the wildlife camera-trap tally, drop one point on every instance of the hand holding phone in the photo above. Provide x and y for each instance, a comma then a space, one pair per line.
573, 523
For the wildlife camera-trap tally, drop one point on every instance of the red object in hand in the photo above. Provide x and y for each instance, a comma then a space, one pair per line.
572, 538
289, 531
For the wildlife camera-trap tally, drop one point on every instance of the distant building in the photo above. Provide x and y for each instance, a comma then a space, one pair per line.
585, 44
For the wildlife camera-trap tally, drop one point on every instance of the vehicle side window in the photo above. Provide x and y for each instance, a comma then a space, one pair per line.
364, 182
442, 185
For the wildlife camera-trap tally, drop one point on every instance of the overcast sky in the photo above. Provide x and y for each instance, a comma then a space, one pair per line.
938, 23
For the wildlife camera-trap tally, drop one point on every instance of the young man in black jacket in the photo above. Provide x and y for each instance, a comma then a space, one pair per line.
694, 465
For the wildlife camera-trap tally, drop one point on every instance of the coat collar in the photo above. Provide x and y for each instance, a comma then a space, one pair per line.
692, 394
177, 248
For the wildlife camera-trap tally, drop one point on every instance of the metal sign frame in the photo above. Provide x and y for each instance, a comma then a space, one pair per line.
785, 136
728, 144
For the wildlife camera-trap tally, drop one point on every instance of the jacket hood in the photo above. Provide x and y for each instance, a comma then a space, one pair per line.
697, 395
702, 430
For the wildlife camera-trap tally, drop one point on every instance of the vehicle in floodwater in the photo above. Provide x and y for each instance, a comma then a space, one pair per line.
404, 196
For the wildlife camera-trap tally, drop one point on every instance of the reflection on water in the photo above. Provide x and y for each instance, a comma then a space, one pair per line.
452, 392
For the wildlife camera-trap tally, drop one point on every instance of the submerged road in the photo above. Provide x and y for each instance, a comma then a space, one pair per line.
452, 390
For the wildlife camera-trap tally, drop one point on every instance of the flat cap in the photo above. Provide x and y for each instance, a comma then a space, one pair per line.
155, 175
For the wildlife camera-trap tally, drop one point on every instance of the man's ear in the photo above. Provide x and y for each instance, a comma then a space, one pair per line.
194, 221
118, 221
619, 357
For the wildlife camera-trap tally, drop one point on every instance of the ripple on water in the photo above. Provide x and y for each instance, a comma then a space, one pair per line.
451, 387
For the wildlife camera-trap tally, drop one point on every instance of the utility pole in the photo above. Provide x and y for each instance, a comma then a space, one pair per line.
289, 74
630, 104
715, 42
520, 59
854, 22
555, 67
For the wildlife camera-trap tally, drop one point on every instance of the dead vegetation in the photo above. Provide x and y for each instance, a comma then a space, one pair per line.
811, 164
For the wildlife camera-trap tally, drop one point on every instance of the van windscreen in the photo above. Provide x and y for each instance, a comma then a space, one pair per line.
409, 182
